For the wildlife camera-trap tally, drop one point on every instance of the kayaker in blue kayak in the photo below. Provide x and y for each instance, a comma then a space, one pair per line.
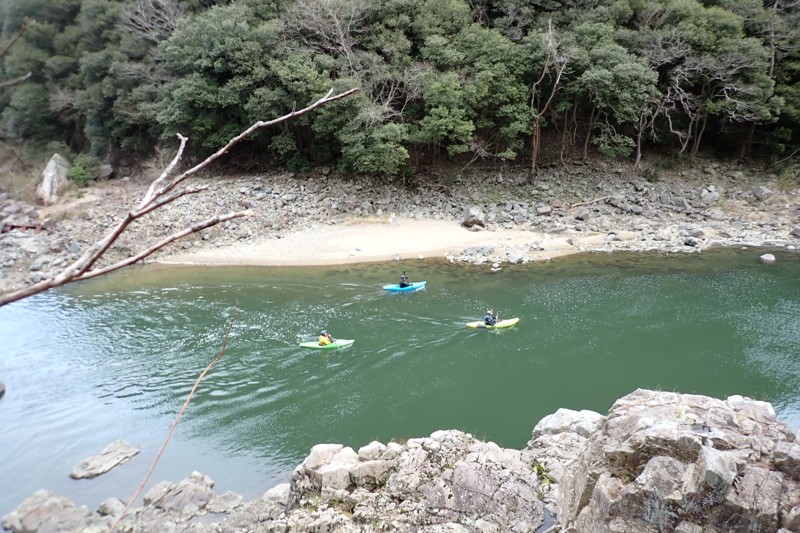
325, 338
490, 319
404, 282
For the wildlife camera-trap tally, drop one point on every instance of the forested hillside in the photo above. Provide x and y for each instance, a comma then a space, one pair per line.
528, 81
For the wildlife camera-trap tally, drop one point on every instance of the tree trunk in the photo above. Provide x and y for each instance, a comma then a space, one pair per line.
639, 130
536, 132
701, 125
747, 141
589, 133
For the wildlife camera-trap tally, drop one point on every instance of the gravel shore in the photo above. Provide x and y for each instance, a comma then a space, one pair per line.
326, 218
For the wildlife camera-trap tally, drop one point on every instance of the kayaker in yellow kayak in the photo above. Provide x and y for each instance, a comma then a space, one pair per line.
325, 338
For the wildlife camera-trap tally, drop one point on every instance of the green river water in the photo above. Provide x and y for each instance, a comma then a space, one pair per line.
116, 357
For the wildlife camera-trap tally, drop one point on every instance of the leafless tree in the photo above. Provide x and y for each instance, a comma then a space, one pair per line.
330, 26
152, 20
164, 190
553, 68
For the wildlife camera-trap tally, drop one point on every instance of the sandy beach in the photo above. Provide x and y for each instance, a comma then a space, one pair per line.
375, 241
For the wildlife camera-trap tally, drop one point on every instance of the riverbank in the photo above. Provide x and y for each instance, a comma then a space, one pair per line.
325, 218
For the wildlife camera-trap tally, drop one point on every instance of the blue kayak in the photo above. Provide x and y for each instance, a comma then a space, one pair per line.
413, 287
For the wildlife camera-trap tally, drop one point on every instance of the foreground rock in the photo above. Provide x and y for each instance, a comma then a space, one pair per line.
447, 482
662, 461
658, 462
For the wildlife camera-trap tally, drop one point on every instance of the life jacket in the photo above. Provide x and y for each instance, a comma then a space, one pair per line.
324, 340
490, 320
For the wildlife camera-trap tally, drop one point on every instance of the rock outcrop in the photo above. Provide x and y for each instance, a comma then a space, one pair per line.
662, 461
658, 462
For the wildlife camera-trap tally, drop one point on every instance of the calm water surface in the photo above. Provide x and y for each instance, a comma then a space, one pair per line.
116, 357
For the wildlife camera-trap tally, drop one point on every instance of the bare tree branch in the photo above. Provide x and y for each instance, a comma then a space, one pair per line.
10, 44
7, 48
9, 83
537, 109
152, 20
330, 26
156, 196
177, 419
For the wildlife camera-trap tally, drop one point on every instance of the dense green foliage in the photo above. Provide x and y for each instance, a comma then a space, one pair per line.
453, 79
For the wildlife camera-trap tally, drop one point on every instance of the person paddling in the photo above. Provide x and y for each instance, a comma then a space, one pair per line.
404, 282
325, 338
490, 319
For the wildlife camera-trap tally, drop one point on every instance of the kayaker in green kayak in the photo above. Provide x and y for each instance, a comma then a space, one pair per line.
325, 338
490, 319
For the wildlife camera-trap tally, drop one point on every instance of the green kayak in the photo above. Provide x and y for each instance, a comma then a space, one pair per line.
339, 343
500, 324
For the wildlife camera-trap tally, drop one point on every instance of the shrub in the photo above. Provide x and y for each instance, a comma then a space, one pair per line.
82, 170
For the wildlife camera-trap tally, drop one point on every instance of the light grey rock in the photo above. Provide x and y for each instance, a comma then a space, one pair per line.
185, 499
114, 454
478, 250
473, 216
54, 177
767, 259
224, 503
762, 193
582, 213
371, 451
583, 423
709, 196
112, 507
46, 512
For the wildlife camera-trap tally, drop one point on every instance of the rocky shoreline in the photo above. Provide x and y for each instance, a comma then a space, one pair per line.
585, 210
659, 461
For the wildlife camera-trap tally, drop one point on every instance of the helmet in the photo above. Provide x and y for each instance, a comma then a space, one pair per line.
323, 332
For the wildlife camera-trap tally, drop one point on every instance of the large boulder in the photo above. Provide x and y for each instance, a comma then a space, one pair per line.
662, 461
54, 178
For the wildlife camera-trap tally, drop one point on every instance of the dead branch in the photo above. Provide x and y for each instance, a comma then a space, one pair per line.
177, 419
22, 29
9, 83
603, 199
788, 157
7, 48
159, 194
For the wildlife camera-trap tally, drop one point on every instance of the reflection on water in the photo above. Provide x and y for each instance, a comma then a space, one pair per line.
116, 357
